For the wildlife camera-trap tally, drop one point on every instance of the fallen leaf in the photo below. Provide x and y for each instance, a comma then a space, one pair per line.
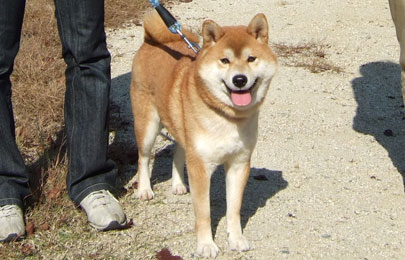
54, 193
26, 249
30, 228
45, 226
129, 224
165, 254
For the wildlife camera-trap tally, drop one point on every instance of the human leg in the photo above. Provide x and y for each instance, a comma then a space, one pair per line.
13, 173
81, 28
88, 82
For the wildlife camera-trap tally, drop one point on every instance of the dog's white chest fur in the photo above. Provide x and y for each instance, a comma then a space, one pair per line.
223, 141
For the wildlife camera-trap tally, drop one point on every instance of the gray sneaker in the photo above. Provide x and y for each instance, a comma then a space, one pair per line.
103, 211
11, 223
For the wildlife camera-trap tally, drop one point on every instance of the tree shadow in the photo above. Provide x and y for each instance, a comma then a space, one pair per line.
262, 185
379, 111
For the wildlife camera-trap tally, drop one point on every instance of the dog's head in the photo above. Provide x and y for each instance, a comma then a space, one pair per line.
236, 64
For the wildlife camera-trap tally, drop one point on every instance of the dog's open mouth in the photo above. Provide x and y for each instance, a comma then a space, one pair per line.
241, 98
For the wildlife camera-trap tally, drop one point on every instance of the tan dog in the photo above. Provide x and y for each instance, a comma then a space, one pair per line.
210, 104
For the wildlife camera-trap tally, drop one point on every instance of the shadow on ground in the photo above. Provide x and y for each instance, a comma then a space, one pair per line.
379, 108
262, 185
40, 170
123, 149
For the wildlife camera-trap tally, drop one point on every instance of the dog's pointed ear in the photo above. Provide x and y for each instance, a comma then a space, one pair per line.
211, 32
259, 28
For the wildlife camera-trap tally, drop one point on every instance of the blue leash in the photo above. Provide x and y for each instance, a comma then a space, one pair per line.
173, 25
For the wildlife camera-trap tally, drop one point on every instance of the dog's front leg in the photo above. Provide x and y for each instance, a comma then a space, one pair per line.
199, 179
237, 174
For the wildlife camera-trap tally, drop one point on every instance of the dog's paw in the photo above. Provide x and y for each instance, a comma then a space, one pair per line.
207, 250
145, 194
179, 189
238, 243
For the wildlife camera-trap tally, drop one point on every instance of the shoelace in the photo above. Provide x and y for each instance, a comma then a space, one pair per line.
7, 211
100, 198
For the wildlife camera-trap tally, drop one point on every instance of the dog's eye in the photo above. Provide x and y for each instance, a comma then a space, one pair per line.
225, 60
251, 59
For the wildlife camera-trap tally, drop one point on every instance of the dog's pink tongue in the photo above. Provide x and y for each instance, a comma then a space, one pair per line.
241, 98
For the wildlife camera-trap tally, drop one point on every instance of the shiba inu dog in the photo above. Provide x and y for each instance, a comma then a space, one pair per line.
210, 104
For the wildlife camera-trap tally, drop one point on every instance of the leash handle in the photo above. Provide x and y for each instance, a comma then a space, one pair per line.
166, 16
172, 24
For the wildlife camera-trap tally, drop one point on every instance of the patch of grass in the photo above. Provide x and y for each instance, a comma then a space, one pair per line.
38, 101
310, 56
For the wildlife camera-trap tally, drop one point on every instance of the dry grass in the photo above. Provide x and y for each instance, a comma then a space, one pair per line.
310, 56
38, 101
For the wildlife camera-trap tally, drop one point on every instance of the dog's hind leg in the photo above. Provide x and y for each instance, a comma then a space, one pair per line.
178, 185
147, 127
237, 174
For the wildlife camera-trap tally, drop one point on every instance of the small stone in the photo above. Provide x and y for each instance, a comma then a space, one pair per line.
388, 132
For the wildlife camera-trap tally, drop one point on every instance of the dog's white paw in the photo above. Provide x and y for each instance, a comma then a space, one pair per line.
145, 194
238, 243
207, 250
179, 189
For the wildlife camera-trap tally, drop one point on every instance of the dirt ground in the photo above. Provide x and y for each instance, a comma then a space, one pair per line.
327, 173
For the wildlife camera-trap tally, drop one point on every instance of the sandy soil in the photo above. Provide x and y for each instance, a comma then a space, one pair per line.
330, 144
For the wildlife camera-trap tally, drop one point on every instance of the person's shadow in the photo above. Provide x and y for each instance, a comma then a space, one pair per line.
380, 108
123, 150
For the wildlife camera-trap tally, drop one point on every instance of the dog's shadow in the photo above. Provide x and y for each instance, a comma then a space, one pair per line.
261, 186
379, 112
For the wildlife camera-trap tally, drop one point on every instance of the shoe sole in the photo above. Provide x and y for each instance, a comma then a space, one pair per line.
114, 225
12, 237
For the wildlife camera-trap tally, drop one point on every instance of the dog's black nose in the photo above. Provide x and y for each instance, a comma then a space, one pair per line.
239, 80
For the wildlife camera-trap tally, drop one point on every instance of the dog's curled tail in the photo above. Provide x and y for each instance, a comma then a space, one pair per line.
156, 30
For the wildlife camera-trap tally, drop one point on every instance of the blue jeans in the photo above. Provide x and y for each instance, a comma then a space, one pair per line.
88, 82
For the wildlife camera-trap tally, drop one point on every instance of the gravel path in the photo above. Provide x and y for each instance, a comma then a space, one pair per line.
331, 144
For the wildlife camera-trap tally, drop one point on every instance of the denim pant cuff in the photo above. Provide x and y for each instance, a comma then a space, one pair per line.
90, 189
11, 201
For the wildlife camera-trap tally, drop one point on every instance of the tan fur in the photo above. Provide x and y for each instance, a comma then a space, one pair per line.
191, 96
